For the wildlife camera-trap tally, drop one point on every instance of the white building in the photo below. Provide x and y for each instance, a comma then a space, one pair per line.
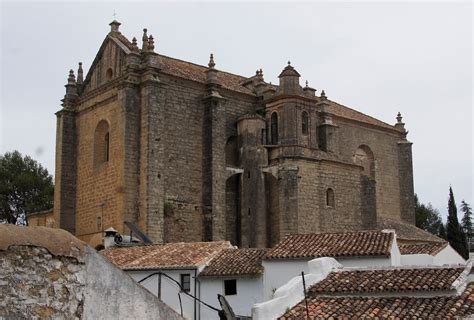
434, 253
373, 292
237, 274
170, 271
351, 249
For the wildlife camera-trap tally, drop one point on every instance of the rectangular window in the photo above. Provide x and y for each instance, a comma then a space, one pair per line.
230, 287
186, 282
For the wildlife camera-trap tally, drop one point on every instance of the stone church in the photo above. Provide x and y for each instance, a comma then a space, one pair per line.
192, 153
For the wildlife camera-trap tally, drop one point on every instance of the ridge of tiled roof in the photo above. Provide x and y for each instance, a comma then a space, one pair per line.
165, 256
189, 70
362, 243
349, 113
236, 262
439, 307
391, 280
196, 72
422, 248
406, 231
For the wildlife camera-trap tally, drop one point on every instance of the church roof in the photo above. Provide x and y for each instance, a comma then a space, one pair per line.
346, 244
195, 72
422, 248
348, 113
289, 71
406, 231
236, 262
165, 256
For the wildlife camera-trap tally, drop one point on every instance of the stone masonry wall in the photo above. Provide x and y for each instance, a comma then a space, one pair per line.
65, 174
183, 163
37, 285
313, 213
47, 273
385, 149
99, 185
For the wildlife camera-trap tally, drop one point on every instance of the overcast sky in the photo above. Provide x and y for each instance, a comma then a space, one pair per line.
378, 58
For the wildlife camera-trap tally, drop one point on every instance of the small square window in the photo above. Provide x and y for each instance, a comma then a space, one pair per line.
230, 287
186, 282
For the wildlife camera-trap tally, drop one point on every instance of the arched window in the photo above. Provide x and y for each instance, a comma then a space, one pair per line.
109, 74
274, 128
232, 152
364, 157
330, 198
102, 143
304, 122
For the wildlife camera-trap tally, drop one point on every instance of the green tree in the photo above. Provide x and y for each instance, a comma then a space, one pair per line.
25, 187
467, 222
442, 232
454, 232
427, 217
467, 218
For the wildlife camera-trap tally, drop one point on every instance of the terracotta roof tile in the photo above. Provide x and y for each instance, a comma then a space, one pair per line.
348, 113
441, 307
364, 243
388, 280
165, 256
195, 72
422, 248
236, 262
406, 231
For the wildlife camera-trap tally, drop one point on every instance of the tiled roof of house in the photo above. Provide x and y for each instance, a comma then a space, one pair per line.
388, 280
165, 256
406, 231
441, 307
390, 293
236, 262
422, 248
363, 243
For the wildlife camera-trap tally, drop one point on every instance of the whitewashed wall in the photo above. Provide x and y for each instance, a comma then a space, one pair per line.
279, 272
417, 260
249, 292
169, 289
448, 256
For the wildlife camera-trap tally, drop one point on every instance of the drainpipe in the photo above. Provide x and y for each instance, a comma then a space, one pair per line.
195, 282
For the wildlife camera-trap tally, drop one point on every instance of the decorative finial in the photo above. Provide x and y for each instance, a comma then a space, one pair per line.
151, 43
145, 40
306, 83
399, 118
289, 62
323, 95
80, 74
71, 79
211, 61
134, 45
257, 73
261, 72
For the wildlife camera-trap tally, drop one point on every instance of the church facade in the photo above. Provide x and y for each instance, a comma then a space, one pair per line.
192, 153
